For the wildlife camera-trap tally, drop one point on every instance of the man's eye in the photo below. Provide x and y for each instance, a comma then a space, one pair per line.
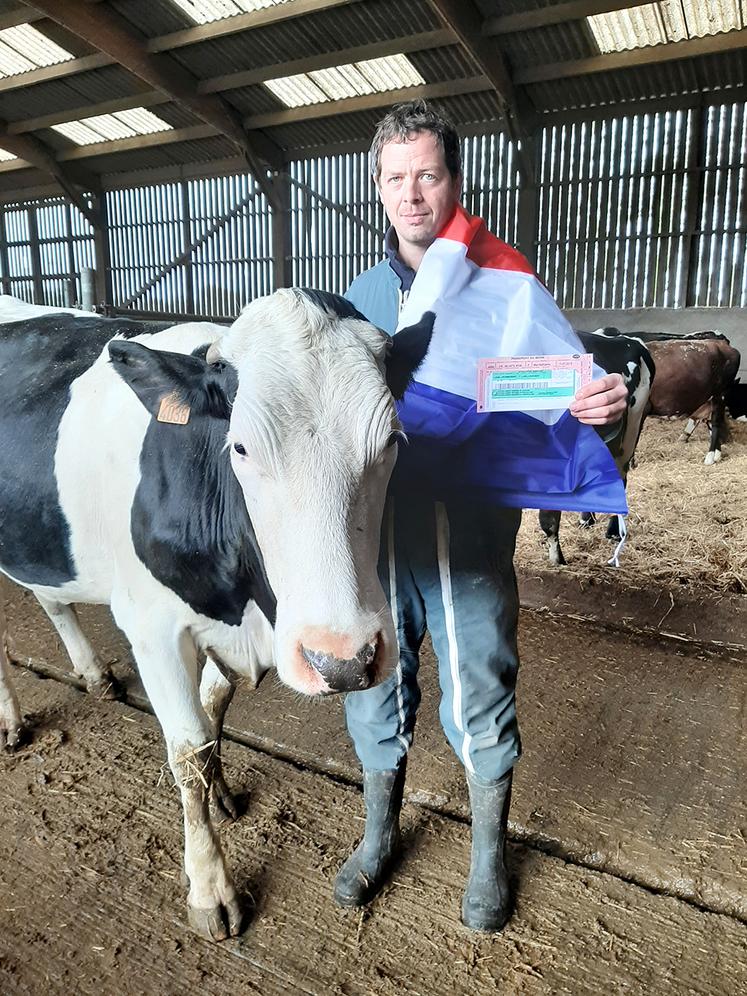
240, 449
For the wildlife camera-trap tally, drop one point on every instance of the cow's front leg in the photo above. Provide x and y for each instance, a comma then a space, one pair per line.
217, 688
169, 670
213, 903
11, 724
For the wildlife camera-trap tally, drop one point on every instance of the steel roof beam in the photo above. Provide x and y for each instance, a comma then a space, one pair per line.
650, 55
370, 101
242, 22
29, 149
105, 30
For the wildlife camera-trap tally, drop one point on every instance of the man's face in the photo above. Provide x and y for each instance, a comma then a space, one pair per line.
417, 190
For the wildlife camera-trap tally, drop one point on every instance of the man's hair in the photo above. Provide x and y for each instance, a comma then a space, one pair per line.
406, 120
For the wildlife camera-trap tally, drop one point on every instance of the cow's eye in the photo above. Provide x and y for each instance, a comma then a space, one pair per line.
395, 437
240, 449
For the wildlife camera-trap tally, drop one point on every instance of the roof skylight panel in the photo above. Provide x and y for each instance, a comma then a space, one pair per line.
666, 21
392, 72
206, 11
296, 91
109, 127
5, 157
23, 48
342, 81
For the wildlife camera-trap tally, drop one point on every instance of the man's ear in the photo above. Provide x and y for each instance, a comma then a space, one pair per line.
406, 352
156, 374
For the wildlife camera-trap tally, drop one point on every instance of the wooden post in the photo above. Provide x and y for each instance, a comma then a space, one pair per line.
7, 287
187, 240
529, 204
695, 193
282, 268
104, 297
36, 268
71, 282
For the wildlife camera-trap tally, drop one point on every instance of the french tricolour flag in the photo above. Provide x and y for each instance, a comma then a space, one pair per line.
489, 303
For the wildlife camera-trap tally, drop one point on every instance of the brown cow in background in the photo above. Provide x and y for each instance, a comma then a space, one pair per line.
693, 377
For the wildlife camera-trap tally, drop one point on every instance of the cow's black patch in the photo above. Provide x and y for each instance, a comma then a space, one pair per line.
189, 522
333, 304
39, 360
615, 352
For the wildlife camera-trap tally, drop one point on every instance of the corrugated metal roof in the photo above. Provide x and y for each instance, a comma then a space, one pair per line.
152, 17
449, 63
359, 126
75, 91
666, 79
163, 155
351, 26
324, 31
24, 47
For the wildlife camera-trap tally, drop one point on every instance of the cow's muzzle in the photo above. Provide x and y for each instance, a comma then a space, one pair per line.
351, 674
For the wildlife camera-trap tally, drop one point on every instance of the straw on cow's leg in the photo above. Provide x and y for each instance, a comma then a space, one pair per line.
216, 692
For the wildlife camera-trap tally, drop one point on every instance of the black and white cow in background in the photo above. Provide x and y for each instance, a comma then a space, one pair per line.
614, 353
135, 473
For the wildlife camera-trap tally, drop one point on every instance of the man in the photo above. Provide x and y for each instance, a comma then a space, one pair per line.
445, 564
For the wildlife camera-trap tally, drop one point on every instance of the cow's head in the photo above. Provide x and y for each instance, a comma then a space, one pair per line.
312, 440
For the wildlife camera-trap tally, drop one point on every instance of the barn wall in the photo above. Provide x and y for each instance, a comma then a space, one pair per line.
636, 210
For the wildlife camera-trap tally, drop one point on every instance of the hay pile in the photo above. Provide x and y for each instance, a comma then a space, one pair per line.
687, 523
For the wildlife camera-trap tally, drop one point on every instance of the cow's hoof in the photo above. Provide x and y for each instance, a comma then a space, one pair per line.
218, 923
12, 736
106, 687
712, 457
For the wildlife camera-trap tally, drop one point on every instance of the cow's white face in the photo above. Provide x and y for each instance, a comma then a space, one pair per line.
313, 440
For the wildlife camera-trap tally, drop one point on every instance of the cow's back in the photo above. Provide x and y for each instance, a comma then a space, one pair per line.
691, 372
40, 358
69, 463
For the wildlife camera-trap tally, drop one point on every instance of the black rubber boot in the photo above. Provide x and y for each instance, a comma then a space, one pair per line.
365, 871
487, 902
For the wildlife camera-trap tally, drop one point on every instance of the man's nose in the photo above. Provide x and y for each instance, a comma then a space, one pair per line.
411, 190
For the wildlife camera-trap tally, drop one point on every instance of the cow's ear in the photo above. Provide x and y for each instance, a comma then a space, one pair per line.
158, 376
406, 352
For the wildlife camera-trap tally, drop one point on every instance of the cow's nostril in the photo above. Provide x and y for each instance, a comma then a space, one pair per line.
340, 674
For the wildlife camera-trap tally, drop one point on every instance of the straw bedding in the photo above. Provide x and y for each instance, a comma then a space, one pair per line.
687, 522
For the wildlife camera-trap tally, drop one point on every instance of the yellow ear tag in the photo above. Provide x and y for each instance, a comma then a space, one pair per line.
172, 410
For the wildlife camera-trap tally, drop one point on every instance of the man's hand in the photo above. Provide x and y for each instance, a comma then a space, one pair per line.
602, 401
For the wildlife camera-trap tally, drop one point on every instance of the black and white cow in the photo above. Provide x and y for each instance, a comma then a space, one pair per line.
135, 473
614, 353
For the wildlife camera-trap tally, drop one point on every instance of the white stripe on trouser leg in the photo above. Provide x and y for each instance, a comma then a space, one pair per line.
404, 740
444, 571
